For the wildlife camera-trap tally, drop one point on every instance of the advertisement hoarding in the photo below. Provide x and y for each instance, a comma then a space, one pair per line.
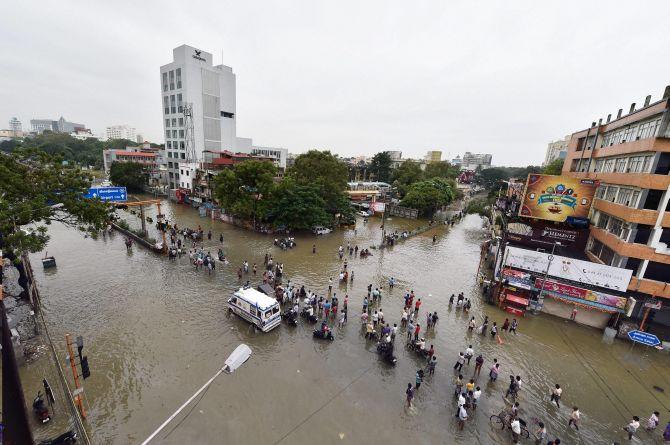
569, 268
544, 234
583, 294
555, 198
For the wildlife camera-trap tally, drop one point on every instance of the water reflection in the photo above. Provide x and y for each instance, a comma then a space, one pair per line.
156, 330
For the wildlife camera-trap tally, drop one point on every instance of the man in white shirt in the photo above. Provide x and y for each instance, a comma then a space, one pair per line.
475, 397
516, 429
469, 353
652, 422
462, 416
632, 427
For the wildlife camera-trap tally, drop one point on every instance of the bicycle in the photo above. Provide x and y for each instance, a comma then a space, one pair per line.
503, 422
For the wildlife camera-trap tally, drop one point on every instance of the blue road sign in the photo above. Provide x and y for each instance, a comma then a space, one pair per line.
644, 337
118, 194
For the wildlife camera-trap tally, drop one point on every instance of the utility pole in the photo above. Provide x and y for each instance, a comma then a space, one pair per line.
78, 400
540, 297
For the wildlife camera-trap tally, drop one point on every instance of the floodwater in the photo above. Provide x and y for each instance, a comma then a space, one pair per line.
156, 330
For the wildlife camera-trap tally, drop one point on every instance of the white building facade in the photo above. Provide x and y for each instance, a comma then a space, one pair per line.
192, 78
121, 132
556, 150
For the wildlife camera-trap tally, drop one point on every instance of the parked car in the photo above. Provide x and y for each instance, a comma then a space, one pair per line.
320, 230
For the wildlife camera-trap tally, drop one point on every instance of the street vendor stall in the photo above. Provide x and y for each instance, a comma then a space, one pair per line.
514, 300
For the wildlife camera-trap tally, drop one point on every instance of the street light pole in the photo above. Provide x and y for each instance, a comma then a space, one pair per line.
540, 297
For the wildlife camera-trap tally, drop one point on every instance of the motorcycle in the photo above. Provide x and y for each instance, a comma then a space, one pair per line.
65, 438
290, 317
40, 409
311, 318
386, 351
412, 346
318, 333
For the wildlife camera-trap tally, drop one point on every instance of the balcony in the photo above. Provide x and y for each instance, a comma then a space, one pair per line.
651, 287
631, 147
640, 216
641, 180
632, 250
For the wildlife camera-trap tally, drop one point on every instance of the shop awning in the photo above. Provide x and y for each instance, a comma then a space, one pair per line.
516, 299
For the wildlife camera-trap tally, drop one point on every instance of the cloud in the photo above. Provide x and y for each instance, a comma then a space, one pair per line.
356, 77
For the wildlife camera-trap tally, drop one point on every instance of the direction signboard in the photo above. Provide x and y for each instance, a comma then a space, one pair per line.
644, 337
117, 194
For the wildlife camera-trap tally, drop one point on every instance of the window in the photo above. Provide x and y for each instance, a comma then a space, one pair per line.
634, 198
624, 196
174, 122
168, 144
171, 80
609, 166
167, 133
601, 251
181, 121
183, 155
646, 164
181, 133
599, 165
167, 122
165, 82
178, 77
615, 226
169, 153
600, 191
166, 106
179, 103
172, 104
620, 166
174, 133
187, 172
610, 195
603, 220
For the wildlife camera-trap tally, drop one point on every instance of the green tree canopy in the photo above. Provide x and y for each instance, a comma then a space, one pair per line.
245, 189
407, 174
427, 196
86, 152
327, 172
555, 167
491, 178
298, 206
380, 166
38, 189
131, 175
441, 169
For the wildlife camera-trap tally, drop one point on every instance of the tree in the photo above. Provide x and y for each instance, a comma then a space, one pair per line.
298, 207
244, 190
380, 166
131, 175
441, 169
555, 167
328, 173
427, 196
38, 189
407, 174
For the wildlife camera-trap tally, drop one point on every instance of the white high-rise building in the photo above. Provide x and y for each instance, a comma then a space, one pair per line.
15, 127
555, 150
192, 78
121, 132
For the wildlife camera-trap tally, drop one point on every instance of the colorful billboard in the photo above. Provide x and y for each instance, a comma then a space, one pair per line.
556, 198
583, 294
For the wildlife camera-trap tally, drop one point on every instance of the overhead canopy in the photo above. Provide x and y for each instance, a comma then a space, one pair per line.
516, 299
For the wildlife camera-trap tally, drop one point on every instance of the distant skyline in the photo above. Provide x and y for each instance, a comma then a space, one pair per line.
504, 78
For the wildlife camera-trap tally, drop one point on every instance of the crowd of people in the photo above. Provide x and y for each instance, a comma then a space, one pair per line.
375, 326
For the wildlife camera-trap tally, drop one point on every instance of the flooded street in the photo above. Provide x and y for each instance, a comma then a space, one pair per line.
156, 330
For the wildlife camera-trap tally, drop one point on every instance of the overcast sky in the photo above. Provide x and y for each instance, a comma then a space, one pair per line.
356, 77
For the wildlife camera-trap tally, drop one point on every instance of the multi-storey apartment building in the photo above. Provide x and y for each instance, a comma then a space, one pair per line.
121, 132
630, 216
556, 150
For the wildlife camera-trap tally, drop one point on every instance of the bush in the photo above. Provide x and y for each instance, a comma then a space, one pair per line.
123, 224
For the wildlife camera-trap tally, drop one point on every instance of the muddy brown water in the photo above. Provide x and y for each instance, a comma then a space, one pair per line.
156, 330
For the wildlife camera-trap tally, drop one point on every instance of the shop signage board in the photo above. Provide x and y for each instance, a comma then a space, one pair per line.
584, 294
555, 198
543, 234
586, 272
644, 337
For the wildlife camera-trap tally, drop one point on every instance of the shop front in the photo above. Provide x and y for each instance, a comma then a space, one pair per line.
515, 291
584, 306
